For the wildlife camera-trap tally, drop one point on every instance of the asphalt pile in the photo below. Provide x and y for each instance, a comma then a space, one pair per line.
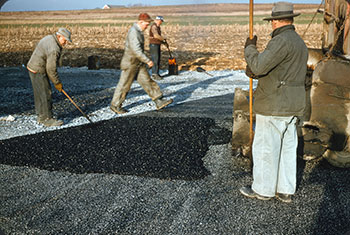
167, 148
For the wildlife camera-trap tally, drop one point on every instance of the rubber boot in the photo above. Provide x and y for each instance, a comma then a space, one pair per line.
162, 102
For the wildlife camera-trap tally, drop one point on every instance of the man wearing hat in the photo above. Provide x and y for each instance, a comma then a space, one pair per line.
42, 67
133, 66
278, 100
155, 41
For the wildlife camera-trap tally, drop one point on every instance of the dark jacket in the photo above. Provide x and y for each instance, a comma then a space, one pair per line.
281, 70
45, 57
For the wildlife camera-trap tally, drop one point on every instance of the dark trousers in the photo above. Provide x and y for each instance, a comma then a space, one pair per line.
154, 50
42, 95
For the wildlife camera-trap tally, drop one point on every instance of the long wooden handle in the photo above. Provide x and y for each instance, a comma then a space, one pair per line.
76, 105
167, 45
251, 79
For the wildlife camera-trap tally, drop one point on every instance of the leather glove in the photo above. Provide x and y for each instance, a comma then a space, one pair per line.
59, 87
249, 72
251, 41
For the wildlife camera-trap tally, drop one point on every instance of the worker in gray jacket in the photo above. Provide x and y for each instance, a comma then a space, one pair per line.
133, 65
42, 67
278, 100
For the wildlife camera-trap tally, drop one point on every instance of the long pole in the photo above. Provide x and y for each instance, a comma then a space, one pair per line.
167, 46
76, 106
251, 79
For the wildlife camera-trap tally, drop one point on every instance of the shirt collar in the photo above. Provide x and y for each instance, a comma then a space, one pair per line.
282, 29
137, 27
55, 37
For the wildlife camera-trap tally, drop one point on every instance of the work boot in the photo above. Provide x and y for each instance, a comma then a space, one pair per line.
118, 109
50, 122
156, 77
161, 102
287, 198
248, 192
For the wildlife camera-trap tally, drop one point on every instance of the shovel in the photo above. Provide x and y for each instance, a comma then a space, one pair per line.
70, 99
167, 46
201, 70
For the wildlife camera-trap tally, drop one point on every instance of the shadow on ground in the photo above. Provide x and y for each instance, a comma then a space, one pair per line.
16, 80
167, 148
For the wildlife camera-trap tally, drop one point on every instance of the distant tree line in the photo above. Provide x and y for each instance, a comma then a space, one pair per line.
138, 5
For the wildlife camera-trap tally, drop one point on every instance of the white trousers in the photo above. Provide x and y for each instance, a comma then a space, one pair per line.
274, 155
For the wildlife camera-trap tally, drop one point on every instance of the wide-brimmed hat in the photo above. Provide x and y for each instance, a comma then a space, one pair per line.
145, 17
282, 10
160, 18
65, 33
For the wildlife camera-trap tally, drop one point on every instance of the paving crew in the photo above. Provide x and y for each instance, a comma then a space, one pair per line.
278, 100
133, 65
42, 67
155, 41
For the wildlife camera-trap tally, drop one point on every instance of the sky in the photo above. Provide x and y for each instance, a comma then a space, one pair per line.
44, 5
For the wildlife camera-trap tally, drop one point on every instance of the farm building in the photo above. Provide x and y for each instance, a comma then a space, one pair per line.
112, 6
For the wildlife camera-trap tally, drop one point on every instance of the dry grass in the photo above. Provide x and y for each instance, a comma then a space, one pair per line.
214, 47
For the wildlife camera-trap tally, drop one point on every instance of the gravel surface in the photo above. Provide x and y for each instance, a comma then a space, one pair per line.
147, 172
93, 91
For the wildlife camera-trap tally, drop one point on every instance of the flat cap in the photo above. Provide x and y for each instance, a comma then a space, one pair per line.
145, 17
65, 33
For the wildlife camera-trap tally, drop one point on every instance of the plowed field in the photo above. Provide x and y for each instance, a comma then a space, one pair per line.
211, 36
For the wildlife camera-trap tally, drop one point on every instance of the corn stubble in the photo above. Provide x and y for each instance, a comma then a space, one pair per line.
214, 47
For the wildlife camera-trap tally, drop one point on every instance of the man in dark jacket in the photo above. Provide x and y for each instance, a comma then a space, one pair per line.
42, 66
133, 67
278, 100
155, 41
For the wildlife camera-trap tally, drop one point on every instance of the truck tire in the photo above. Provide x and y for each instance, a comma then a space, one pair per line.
338, 158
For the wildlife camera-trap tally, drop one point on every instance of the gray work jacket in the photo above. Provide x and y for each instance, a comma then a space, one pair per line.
134, 48
281, 70
45, 58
